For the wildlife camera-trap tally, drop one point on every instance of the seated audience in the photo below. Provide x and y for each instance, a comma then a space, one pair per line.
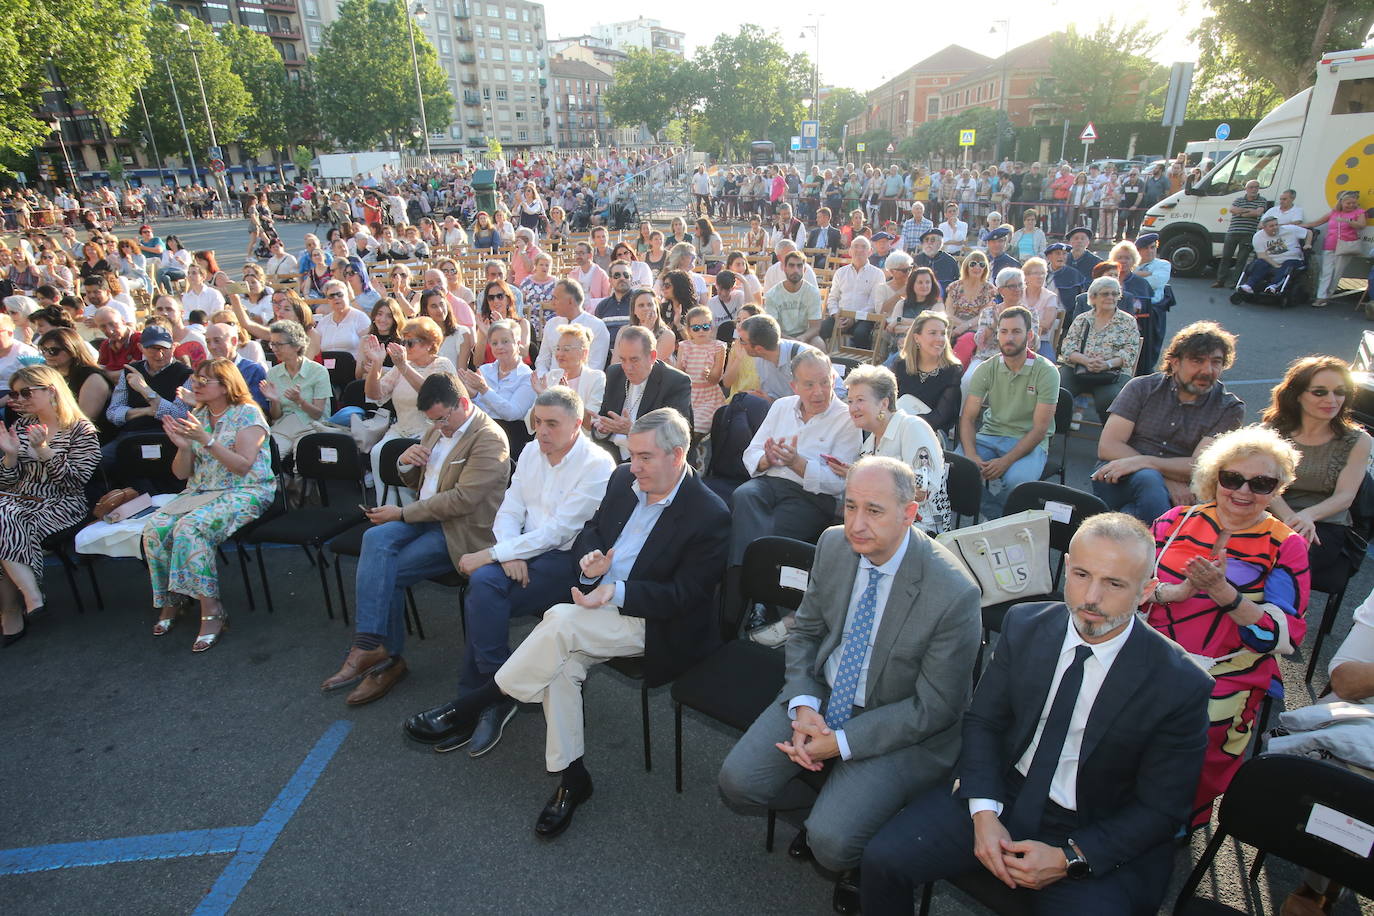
120, 346
637, 384
65, 352
965, 301
1100, 348
502, 388
341, 327
795, 304
851, 289
927, 370
222, 342
146, 392
1278, 250
1043, 303
701, 356
457, 344
566, 306
760, 338
297, 388
570, 370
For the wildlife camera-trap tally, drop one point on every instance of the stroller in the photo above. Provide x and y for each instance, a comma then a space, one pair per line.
1294, 288
624, 212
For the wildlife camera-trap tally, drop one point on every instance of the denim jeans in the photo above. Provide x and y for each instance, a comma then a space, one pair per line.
396, 555
493, 599
1028, 467
1142, 494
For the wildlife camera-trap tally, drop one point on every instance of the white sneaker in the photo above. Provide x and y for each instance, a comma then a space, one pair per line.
771, 635
1271, 289
1245, 288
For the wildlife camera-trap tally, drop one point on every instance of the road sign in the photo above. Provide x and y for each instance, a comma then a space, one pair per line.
891, 148
1176, 99
966, 137
216, 153
1223, 131
810, 134
861, 146
1089, 134
796, 143
217, 166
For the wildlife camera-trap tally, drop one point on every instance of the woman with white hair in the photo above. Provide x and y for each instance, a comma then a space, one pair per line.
683, 257
341, 327
1100, 348
19, 308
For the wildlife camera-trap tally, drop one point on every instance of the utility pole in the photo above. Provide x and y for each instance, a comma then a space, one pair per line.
209, 122
190, 156
161, 179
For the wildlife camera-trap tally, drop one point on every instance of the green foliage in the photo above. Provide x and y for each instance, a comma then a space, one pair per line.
494, 148
302, 158
1094, 73
651, 88
115, 170
229, 102
302, 113
941, 137
258, 65
1255, 53
96, 48
365, 81
837, 108
751, 89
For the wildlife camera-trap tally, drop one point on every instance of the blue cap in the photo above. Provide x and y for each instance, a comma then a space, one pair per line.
1077, 229
935, 232
999, 233
1149, 238
1056, 246
883, 235
156, 336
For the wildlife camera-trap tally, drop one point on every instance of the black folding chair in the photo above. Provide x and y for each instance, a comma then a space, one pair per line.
147, 457
1333, 586
354, 394
274, 509
321, 458
1063, 421
738, 681
986, 890
62, 544
342, 367
1272, 804
965, 489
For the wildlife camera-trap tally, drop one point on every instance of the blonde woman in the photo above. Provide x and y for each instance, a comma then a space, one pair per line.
570, 369
965, 300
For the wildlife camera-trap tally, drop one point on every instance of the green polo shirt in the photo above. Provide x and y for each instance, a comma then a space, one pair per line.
313, 379
1011, 397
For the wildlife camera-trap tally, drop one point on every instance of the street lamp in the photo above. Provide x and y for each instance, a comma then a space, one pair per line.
215, 151
1002, 95
419, 12
815, 99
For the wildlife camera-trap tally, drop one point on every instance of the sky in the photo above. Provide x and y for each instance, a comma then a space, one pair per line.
857, 51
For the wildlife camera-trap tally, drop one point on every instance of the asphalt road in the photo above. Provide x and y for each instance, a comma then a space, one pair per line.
109, 733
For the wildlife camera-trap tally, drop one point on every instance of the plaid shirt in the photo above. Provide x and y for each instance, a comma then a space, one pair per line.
911, 234
1166, 427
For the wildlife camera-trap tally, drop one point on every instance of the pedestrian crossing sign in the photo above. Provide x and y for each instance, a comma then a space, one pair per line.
966, 137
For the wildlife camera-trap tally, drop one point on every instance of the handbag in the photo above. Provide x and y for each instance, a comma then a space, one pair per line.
1009, 557
1081, 373
1351, 247
367, 432
112, 501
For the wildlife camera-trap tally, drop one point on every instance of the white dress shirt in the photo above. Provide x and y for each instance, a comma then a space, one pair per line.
438, 457
547, 504
509, 397
1064, 785
633, 536
832, 664
830, 432
630, 411
1292, 216
853, 289
596, 356
590, 386
209, 300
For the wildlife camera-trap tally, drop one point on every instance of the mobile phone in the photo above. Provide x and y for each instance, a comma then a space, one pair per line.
237, 289
825, 457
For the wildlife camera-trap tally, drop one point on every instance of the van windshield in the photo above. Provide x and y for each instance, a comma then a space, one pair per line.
1258, 163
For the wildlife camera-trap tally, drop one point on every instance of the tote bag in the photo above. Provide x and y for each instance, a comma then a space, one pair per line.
1009, 557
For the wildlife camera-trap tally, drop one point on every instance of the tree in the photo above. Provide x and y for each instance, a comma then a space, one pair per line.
228, 101
837, 109
652, 88
752, 89
94, 48
303, 158
365, 81
1102, 75
259, 67
1266, 50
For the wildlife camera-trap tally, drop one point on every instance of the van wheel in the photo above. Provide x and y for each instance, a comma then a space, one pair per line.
1189, 253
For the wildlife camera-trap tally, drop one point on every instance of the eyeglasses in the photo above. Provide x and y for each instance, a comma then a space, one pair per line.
450, 270
575, 348
700, 327
491, 296
202, 379
1012, 285
974, 265
336, 295
411, 342
1341, 393
620, 276
25, 393
52, 351
1260, 485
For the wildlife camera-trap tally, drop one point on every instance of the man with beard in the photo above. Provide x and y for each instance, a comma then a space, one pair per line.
1081, 751
933, 255
1159, 423
1020, 389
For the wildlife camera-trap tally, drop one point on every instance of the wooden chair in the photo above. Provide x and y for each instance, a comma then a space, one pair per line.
837, 344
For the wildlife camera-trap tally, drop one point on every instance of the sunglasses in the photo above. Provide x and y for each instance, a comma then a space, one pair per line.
976, 266
25, 393
619, 276
52, 351
491, 296
202, 380
700, 327
336, 295
1260, 485
412, 342
1323, 392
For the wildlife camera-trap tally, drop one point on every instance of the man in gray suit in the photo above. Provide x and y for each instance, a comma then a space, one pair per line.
879, 670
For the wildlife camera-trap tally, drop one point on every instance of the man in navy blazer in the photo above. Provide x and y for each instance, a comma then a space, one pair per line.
639, 383
1081, 751
651, 558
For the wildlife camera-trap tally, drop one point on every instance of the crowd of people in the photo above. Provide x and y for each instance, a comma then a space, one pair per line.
599, 431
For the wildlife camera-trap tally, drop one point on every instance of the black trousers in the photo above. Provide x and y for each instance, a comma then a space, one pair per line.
932, 838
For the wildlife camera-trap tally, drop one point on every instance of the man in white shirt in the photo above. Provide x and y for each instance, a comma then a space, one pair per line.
280, 261
566, 304
794, 488
1286, 211
1278, 250
1080, 754
96, 294
852, 288
556, 488
776, 272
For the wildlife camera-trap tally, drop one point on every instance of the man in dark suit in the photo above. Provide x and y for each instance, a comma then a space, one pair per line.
636, 385
824, 236
1064, 277
1081, 751
936, 258
882, 645
650, 560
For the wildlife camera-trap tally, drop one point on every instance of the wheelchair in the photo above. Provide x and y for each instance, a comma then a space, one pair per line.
1295, 288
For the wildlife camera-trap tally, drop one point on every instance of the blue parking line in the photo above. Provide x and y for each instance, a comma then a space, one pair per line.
258, 839
125, 849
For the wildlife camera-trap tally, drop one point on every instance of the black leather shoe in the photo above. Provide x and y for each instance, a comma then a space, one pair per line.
435, 725
800, 849
490, 726
558, 813
846, 899
10, 639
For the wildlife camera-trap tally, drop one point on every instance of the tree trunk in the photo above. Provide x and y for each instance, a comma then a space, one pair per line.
1324, 23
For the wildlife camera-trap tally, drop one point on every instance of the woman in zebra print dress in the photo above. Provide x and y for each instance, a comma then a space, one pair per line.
46, 459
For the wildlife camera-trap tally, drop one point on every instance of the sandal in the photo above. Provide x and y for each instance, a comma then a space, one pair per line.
206, 641
175, 605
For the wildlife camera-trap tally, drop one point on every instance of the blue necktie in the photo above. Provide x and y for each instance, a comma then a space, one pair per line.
1029, 807
840, 707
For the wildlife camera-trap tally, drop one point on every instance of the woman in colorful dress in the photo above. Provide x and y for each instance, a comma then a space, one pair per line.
965, 300
222, 453
1233, 589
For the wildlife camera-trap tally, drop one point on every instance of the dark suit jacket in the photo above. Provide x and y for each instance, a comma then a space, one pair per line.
674, 578
1142, 748
666, 387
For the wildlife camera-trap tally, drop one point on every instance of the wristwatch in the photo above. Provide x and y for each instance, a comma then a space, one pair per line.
1077, 865
1232, 604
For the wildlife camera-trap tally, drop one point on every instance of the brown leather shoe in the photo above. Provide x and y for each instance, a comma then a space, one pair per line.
378, 682
357, 664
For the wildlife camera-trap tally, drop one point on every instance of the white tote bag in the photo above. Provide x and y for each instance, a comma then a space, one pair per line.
1009, 557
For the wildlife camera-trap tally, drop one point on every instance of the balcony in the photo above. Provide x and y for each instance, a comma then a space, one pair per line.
466, 57
473, 122
472, 98
285, 33
460, 11
288, 5
464, 35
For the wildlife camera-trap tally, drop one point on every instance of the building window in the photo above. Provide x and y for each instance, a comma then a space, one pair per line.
513, 34
498, 53
517, 54
503, 114
442, 22
486, 95
314, 34
445, 46
524, 135
510, 13
493, 11
933, 107
498, 74
500, 95
481, 52
455, 132
312, 8
525, 14
478, 30
519, 116
517, 75
978, 94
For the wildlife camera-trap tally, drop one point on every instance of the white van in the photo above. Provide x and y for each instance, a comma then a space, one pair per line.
1318, 143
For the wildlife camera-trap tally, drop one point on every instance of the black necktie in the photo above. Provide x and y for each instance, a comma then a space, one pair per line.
1029, 807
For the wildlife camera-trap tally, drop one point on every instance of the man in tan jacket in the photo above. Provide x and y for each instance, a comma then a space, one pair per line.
460, 470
